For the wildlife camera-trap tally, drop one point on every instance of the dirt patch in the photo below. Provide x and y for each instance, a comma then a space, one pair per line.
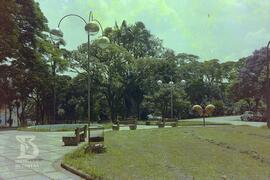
255, 155
258, 135
252, 154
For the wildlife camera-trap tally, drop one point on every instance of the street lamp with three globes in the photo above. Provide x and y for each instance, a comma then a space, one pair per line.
92, 27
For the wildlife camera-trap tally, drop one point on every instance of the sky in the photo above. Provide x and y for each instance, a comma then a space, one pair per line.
212, 29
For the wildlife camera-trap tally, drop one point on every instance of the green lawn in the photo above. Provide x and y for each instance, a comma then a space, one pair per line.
108, 125
199, 123
44, 129
180, 123
237, 152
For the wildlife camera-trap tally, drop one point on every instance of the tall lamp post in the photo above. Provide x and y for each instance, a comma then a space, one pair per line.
267, 86
171, 85
92, 27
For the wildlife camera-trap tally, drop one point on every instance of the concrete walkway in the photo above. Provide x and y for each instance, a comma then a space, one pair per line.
47, 147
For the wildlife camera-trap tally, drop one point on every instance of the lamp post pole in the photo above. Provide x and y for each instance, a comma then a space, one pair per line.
267, 86
54, 92
172, 102
92, 28
171, 84
88, 87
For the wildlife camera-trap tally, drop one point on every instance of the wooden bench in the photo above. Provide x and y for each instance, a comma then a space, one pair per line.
131, 122
167, 122
171, 122
80, 135
152, 122
161, 123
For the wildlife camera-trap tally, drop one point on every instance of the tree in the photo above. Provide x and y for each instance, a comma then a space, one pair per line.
9, 30
160, 101
188, 66
251, 80
212, 71
136, 39
24, 56
109, 69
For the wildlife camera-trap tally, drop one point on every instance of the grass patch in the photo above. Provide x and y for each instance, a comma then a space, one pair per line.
80, 160
107, 125
44, 129
237, 152
180, 123
198, 123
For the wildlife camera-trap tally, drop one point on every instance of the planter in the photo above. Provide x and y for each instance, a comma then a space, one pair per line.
174, 124
133, 127
70, 141
115, 127
96, 148
97, 139
147, 123
161, 125
82, 137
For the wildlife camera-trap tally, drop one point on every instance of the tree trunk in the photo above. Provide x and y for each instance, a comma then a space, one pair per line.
163, 110
37, 113
249, 104
42, 114
18, 116
166, 110
10, 116
138, 111
21, 116
5, 114
110, 100
112, 114
257, 104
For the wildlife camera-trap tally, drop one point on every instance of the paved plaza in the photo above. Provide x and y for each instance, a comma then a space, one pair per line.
39, 159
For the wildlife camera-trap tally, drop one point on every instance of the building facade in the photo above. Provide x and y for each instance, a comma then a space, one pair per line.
4, 115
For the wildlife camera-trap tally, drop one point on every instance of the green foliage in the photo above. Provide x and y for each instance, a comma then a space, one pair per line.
9, 29
212, 71
219, 107
26, 80
135, 38
241, 106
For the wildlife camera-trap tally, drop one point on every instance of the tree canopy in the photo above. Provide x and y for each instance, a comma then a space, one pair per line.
123, 76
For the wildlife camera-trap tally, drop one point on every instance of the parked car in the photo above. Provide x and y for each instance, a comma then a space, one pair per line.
258, 117
29, 122
153, 117
251, 116
247, 116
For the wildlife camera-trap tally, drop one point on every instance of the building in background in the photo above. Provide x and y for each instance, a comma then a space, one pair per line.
4, 115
